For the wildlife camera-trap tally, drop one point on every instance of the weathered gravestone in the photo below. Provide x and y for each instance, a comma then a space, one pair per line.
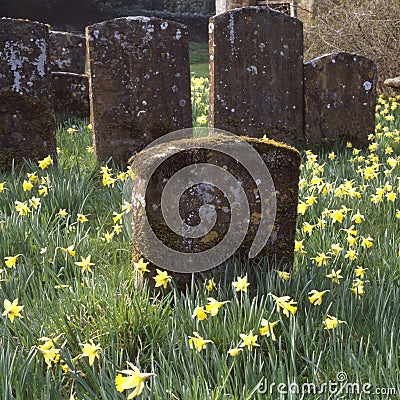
27, 123
139, 83
71, 95
67, 52
161, 190
256, 74
340, 98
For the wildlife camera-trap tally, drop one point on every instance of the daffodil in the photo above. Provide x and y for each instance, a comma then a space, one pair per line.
199, 313
241, 284
285, 303
331, 322
91, 351
62, 213
134, 380
198, 342
366, 242
316, 297
34, 202
248, 340
285, 276
321, 259
235, 351
45, 163
267, 328
81, 218
2, 187
12, 310
22, 207
85, 263
11, 261
360, 272
210, 285
214, 305
335, 275
141, 266
50, 353
27, 186
162, 278
69, 250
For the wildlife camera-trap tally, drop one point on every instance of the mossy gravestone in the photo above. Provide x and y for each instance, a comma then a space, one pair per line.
139, 83
340, 98
256, 74
27, 123
268, 206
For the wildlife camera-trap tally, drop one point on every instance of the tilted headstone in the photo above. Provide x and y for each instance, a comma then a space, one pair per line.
67, 52
71, 95
162, 183
139, 82
340, 98
256, 74
27, 123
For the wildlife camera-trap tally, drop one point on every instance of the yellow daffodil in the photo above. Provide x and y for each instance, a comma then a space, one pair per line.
321, 259
285, 276
241, 284
248, 340
134, 380
360, 272
210, 285
351, 255
141, 266
335, 275
91, 351
22, 208
34, 202
214, 305
197, 342
366, 242
162, 278
62, 213
70, 250
11, 261
267, 328
81, 218
50, 353
285, 303
316, 297
199, 313
12, 310
45, 163
85, 263
332, 322
336, 248
235, 352
2, 187
27, 186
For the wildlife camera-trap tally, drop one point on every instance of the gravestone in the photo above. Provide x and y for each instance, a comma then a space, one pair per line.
272, 208
71, 95
256, 74
27, 123
139, 83
67, 52
340, 98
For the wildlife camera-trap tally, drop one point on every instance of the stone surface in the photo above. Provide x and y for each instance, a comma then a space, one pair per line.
67, 52
340, 98
139, 82
283, 163
27, 123
393, 82
71, 95
256, 74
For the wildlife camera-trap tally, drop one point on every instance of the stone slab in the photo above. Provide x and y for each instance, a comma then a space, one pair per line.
27, 123
283, 163
340, 98
67, 52
256, 74
71, 95
139, 82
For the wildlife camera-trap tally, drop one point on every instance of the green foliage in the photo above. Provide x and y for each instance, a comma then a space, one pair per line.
151, 330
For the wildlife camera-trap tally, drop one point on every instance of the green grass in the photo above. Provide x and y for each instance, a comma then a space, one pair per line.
152, 332
199, 59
